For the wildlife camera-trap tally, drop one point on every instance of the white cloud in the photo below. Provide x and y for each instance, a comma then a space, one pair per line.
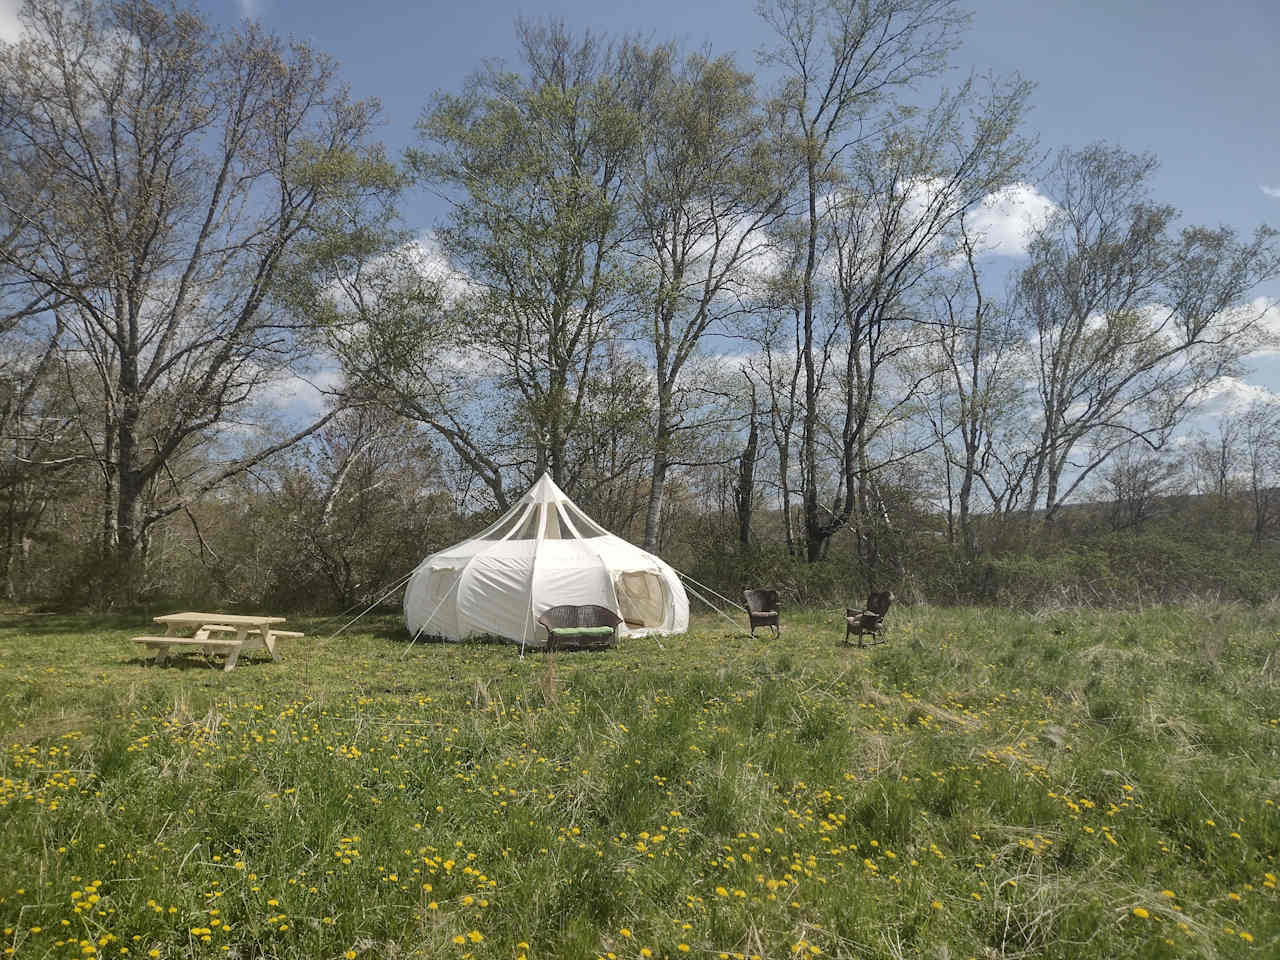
1229, 396
1267, 331
299, 399
1271, 191
1270, 315
1004, 218
10, 28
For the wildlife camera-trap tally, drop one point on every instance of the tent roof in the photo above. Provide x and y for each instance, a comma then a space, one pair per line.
564, 520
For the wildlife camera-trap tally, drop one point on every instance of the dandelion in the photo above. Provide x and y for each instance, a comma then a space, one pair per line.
1141, 913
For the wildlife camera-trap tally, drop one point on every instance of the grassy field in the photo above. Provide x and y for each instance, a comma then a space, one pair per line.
987, 784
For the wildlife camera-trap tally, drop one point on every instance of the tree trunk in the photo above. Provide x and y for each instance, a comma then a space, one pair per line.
658, 476
657, 485
744, 495
809, 434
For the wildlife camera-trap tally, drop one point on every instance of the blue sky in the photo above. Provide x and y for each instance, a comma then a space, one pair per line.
1191, 81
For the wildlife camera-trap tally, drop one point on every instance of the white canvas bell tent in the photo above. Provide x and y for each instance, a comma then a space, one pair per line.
541, 553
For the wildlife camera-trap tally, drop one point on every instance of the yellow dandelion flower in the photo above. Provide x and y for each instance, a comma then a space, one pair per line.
1141, 912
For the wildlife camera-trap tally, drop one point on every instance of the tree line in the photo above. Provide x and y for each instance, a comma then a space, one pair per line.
749, 314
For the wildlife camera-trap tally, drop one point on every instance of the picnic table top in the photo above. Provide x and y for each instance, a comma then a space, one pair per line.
230, 619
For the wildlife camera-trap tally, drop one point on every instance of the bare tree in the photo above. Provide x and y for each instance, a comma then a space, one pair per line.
892, 229
976, 393
1214, 460
1134, 480
843, 63
1132, 319
1259, 431
706, 190
744, 489
535, 165
167, 172
840, 62
776, 365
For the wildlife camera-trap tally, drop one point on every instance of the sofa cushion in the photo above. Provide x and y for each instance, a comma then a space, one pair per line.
584, 631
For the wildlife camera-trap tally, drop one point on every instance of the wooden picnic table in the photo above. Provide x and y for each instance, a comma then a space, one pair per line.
229, 633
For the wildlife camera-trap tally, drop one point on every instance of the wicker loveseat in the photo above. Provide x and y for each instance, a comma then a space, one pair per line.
585, 627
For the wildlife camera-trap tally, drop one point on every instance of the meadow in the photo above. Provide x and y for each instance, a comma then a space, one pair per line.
1073, 784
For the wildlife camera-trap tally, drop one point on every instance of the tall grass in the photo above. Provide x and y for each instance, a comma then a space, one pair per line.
1076, 784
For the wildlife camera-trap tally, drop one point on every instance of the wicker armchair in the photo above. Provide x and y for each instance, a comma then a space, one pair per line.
762, 610
869, 620
585, 627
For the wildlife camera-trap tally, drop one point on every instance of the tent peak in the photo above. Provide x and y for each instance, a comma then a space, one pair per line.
545, 491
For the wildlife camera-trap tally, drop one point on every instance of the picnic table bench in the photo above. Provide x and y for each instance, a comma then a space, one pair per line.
215, 633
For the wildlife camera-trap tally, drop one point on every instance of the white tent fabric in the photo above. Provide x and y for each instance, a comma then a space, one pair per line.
541, 553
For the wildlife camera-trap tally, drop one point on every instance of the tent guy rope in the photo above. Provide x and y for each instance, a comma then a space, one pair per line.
398, 584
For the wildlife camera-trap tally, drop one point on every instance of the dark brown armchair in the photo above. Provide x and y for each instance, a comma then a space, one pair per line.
580, 627
762, 610
869, 620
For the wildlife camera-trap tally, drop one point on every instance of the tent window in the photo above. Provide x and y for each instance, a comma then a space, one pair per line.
502, 529
585, 526
557, 529
642, 598
529, 528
